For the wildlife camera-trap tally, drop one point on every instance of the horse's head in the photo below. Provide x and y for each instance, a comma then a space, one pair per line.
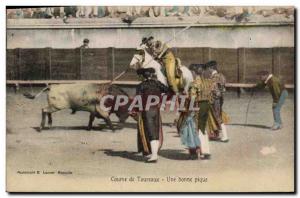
138, 58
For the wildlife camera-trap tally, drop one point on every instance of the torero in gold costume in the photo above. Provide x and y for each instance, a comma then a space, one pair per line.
162, 53
202, 91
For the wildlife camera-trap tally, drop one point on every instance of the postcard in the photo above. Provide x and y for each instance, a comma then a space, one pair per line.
150, 99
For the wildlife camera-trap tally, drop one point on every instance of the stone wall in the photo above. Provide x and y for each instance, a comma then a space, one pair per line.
111, 32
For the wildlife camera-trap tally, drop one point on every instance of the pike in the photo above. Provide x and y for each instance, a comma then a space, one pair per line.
176, 34
179, 32
119, 76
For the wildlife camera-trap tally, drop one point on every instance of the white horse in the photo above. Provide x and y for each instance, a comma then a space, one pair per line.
142, 59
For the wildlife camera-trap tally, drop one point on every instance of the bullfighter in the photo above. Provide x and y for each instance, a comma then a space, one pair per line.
149, 120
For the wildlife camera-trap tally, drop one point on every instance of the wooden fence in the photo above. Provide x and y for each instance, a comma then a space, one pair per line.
238, 65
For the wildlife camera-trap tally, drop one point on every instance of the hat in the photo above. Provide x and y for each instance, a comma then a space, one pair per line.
145, 39
146, 72
86, 40
196, 66
211, 64
150, 38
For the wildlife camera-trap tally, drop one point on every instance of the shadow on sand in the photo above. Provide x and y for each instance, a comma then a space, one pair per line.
166, 153
133, 125
100, 128
250, 125
124, 154
174, 154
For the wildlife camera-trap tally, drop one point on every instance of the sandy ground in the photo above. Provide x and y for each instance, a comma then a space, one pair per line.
96, 158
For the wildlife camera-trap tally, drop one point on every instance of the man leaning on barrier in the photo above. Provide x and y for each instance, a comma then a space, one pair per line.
278, 92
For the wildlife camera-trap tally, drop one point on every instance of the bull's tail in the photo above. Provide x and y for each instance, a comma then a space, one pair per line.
30, 96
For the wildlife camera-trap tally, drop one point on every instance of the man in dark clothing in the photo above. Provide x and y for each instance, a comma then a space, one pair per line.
85, 44
149, 120
278, 92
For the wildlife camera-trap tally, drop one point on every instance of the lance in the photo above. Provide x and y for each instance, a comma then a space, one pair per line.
118, 76
175, 35
179, 32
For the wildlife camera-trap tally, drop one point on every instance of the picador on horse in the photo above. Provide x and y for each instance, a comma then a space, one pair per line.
162, 53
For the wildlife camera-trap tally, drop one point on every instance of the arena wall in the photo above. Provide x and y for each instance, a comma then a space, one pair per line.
43, 49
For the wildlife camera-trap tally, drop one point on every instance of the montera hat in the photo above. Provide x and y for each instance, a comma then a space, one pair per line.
211, 64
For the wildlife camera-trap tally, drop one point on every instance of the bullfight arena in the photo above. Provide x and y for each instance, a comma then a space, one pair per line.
255, 159
244, 53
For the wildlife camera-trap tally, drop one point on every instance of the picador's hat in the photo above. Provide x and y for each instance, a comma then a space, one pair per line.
145, 39
146, 72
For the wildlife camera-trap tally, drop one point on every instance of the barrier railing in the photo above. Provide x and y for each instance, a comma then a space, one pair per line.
46, 82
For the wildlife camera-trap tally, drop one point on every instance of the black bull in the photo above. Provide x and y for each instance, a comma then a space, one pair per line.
82, 97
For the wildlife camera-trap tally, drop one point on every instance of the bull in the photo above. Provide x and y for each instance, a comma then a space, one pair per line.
81, 97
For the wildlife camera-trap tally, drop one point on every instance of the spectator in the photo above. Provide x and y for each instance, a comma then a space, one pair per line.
142, 11
70, 11
111, 11
47, 13
27, 12
132, 12
94, 12
10, 13
176, 10
171, 10
85, 44
58, 12
80, 11
19, 14
90, 11
197, 10
154, 11
102, 11
36, 13
266, 12
288, 12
